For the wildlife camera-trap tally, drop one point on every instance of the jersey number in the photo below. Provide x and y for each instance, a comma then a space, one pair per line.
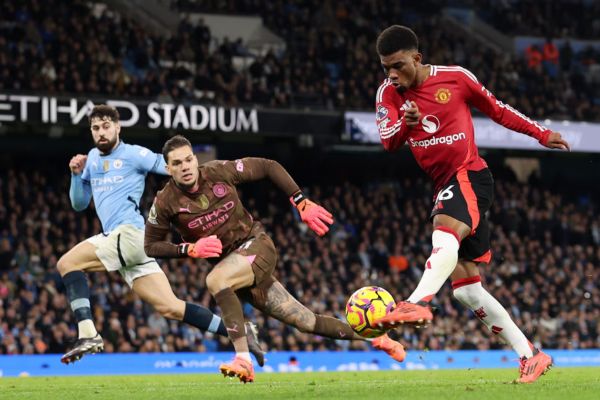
445, 194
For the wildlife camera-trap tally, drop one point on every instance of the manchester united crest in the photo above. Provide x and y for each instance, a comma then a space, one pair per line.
443, 95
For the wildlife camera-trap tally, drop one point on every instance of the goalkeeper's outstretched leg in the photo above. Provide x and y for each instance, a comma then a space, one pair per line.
273, 299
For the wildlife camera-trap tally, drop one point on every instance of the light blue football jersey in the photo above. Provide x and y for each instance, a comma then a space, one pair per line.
116, 182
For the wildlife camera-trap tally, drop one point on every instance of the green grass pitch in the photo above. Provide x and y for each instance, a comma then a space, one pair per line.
559, 383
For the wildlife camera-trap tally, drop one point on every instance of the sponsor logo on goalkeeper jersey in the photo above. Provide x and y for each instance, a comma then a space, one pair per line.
211, 219
433, 141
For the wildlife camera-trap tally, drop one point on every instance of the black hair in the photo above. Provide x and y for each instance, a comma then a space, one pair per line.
175, 142
103, 111
396, 38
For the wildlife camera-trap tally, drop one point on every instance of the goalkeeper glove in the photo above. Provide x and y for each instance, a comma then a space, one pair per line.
313, 215
203, 248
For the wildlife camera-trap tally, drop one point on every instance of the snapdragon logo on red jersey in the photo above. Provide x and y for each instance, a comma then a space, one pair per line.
431, 124
448, 139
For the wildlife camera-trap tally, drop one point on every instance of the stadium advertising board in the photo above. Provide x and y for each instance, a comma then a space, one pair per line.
20, 108
582, 136
279, 361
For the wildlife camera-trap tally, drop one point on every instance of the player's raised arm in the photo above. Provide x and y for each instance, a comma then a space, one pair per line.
316, 217
250, 169
480, 97
80, 191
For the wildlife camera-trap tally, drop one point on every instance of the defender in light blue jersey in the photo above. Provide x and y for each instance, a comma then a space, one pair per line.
113, 174
116, 182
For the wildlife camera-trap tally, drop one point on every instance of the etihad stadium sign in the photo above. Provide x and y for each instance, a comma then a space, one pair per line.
153, 115
18, 108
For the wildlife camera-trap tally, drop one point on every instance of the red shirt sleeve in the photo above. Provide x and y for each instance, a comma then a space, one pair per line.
393, 131
503, 114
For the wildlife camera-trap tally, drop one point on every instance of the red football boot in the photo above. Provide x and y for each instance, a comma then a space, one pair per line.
393, 348
406, 312
239, 367
533, 367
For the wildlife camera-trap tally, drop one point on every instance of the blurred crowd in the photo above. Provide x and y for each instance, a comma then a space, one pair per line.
331, 54
329, 61
545, 244
559, 18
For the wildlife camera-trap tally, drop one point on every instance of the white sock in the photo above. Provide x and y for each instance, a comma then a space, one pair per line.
492, 314
438, 267
86, 329
245, 355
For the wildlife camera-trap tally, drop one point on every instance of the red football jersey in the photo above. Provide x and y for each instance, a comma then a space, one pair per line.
443, 143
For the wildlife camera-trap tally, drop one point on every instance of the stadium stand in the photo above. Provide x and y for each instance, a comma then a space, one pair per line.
346, 56
544, 242
574, 19
329, 63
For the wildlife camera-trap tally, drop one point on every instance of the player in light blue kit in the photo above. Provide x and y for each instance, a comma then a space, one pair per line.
114, 175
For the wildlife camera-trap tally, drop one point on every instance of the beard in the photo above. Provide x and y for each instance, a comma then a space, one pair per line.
106, 146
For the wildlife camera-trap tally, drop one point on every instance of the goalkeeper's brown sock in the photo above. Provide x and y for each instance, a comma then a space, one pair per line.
233, 318
334, 328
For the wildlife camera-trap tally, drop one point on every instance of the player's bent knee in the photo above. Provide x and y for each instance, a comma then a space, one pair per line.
215, 283
170, 311
463, 296
469, 294
64, 266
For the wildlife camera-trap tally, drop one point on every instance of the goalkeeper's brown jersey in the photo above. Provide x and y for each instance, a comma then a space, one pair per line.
215, 209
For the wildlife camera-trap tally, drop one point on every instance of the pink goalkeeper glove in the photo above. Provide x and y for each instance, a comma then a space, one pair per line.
313, 215
205, 247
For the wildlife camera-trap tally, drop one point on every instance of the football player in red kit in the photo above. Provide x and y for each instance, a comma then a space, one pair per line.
428, 107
